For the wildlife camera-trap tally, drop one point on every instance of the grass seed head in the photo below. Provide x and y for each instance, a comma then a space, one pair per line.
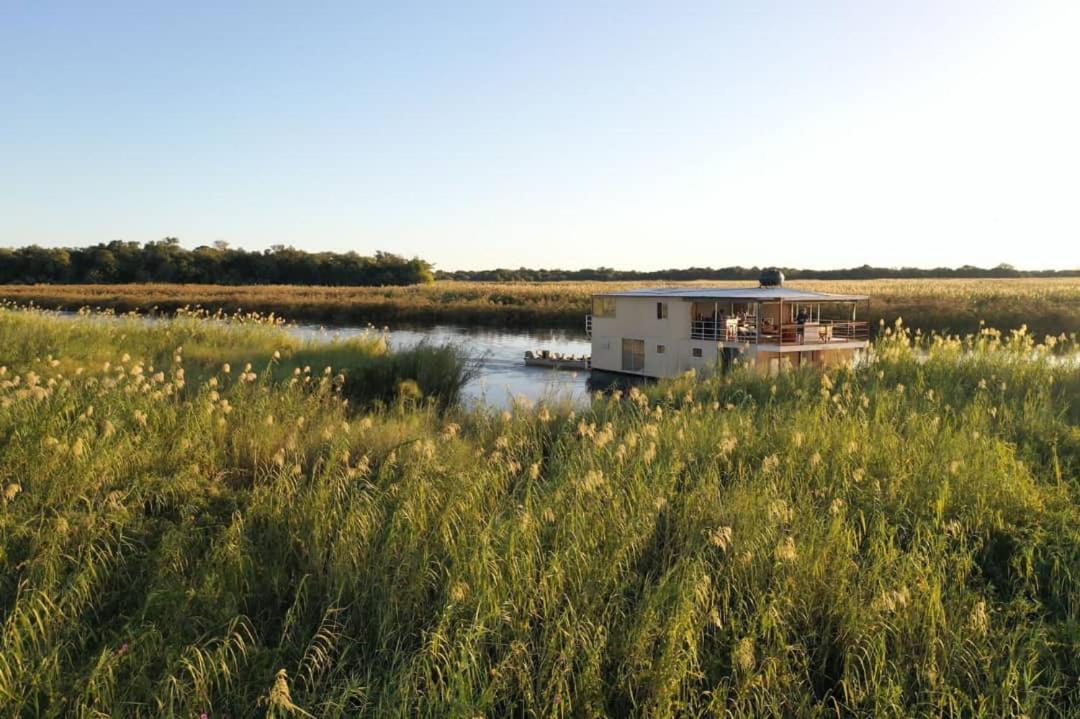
785, 551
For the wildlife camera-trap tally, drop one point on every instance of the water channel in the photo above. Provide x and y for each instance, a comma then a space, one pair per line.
498, 355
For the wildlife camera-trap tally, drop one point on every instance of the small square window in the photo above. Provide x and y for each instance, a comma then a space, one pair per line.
659, 349
697, 352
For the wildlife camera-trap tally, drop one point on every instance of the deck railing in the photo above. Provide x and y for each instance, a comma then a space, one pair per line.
856, 331
721, 331
810, 333
588, 325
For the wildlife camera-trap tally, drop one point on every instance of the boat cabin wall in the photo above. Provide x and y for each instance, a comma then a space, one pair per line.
661, 325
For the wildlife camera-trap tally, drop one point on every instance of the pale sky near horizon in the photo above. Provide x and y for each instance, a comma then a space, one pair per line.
555, 134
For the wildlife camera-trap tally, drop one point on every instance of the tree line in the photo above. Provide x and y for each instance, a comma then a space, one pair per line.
167, 261
864, 272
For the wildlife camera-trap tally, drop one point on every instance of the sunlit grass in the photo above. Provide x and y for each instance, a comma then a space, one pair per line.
179, 537
1045, 305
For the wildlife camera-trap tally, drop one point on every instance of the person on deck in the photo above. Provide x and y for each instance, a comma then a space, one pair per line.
801, 319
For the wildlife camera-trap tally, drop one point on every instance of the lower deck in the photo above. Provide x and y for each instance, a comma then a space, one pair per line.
826, 347
775, 361
654, 358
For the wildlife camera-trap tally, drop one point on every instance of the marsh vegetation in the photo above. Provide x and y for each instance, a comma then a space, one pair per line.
195, 518
958, 306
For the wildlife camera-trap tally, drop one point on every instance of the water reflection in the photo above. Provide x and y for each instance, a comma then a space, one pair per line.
499, 358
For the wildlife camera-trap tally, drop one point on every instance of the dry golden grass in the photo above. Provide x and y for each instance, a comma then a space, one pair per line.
1046, 306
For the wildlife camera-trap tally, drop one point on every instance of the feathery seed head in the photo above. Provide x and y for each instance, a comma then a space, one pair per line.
592, 480
785, 551
721, 537
743, 654
459, 591
980, 618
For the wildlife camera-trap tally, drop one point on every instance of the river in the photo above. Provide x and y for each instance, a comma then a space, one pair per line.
498, 355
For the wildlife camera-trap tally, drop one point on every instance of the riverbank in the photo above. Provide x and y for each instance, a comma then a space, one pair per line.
361, 364
1046, 306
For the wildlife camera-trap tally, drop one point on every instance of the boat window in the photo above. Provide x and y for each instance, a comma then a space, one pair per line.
661, 310
633, 355
696, 352
659, 349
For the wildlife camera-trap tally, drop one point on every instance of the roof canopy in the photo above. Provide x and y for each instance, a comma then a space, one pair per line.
745, 294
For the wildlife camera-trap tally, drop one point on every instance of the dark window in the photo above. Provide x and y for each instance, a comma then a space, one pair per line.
697, 352
659, 349
661, 310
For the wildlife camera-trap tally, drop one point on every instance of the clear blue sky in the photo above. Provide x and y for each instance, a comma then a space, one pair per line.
552, 134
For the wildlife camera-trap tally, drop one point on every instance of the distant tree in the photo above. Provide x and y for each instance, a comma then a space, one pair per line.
166, 260
749, 274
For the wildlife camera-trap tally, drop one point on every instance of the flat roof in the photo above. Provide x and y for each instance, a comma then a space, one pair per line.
758, 294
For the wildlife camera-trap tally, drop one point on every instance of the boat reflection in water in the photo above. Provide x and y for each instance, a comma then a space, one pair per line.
608, 382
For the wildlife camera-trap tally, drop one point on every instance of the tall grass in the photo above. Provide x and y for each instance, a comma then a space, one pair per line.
898, 539
368, 368
1046, 306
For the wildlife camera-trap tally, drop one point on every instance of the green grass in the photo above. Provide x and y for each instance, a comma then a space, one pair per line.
898, 539
370, 371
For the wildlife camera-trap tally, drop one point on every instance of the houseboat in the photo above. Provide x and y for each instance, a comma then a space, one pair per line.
664, 332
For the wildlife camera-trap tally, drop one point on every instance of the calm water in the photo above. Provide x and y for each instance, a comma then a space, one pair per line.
499, 356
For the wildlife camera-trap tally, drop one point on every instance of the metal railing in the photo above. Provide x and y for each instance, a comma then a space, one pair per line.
856, 331
588, 325
761, 332
722, 331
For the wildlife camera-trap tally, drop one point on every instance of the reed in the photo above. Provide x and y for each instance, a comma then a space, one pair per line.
1044, 305
179, 537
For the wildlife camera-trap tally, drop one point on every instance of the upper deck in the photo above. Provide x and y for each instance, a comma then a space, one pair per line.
735, 294
756, 331
781, 317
